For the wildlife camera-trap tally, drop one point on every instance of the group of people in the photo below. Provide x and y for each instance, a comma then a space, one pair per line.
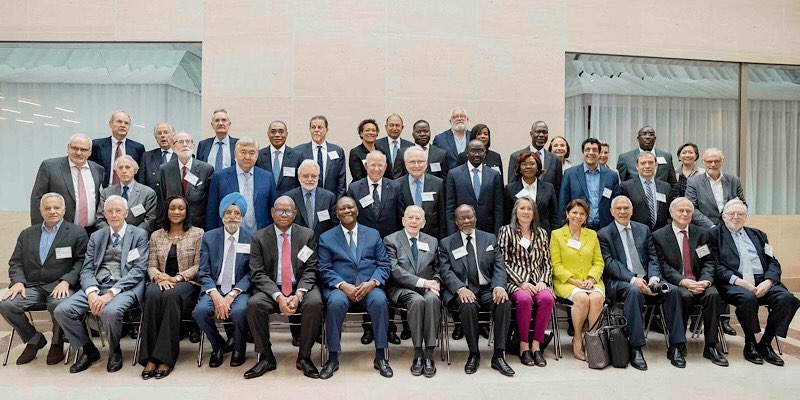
226, 231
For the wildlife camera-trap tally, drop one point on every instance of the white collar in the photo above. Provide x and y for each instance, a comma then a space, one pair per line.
121, 232
472, 168
235, 235
379, 182
240, 171
710, 179
621, 228
409, 237
345, 230
188, 164
272, 149
677, 230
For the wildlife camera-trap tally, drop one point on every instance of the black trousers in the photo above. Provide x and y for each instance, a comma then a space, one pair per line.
261, 305
161, 321
782, 303
711, 303
468, 313
633, 302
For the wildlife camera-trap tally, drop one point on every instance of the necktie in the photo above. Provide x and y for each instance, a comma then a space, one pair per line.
164, 156
472, 267
414, 251
394, 150
83, 205
115, 235
746, 262
227, 267
321, 181
688, 272
352, 244
250, 215
184, 182
417, 193
276, 166
539, 153
476, 183
648, 191
310, 211
636, 262
218, 161
117, 154
286, 266
376, 198
125, 192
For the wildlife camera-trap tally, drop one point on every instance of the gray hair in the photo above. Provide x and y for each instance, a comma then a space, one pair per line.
712, 150
467, 206
619, 198
679, 200
376, 153
227, 114
155, 127
454, 110
308, 163
515, 224
52, 195
732, 203
413, 209
111, 118
246, 141
414, 149
115, 197
643, 154
80, 136
284, 199
127, 158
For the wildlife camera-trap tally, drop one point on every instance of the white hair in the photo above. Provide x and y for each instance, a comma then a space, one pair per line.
127, 158
113, 198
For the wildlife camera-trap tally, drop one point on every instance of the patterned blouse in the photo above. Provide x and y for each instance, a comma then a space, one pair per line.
188, 247
530, 265
683, 179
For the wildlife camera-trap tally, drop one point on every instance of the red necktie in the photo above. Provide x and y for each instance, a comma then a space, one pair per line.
117, 154
286, 266
183, 180
688, 272
82, 218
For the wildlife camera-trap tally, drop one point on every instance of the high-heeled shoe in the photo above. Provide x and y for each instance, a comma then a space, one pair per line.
577, 350
163, 373
147, 374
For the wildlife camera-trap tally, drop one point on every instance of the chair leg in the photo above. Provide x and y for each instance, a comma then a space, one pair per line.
664, 325
777, 344
8, 350
138, 345
556, 334
491, 330
200, 349
323, 348
722, 341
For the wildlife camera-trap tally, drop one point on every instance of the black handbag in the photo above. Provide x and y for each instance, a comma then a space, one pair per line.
618, 348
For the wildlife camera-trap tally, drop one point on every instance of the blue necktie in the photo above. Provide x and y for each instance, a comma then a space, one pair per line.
476, 183
414, 251
394, 151
352, 244
164, 156
417, 193
321, 181
218, 162
376, 198
116, 240
125, 192
276, 166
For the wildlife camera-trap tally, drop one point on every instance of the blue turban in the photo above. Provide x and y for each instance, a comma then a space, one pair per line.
234, 198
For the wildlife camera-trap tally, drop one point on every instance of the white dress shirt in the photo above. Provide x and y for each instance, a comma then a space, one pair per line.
420, 281
113, 153
380, 187
481, 279
227, 242
716, 188
624, 235
226, 151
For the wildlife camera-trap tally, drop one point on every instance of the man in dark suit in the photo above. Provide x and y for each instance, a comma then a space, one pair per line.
626, 163
632, 277
328, 156
316, 206
437, 158
225, 280
688, 263
650, 196
81, 191
43, 270
188, 177
153, 159
751, 281
106, 150
112, 280
220, 150
279, 159
424, 190
141, 199
474, 279
256, 185
353, 269
392, 144
710, 191
480, 187
551, 165
283, 273
590, 182
415, 285
454, 140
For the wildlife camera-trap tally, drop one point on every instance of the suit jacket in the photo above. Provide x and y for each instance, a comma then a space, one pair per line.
634, 190
140, 195
335, 174
323, 201
197, 195
290, 160
212, 254
54, 176
435, 222
149, 170
546, 204
727, 254
574, 187
525, 265
493, 161
437, 159
132, 271
698, 191
337, 264
356, 162
205, 145
581, 264
387, 219
551, 173
406, 273
454, 271
488, 209
382, 144
671, 259
26, 267
102, 149
265, 264
626, 166
447, 142
187, 249
226, 181
616, 268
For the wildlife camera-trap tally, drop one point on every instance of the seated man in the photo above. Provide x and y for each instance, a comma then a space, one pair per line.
633, 277
751, 281
415, 285
225, 280
353, 268
112, 279
283, 273
687, 262
44, 270
474, 277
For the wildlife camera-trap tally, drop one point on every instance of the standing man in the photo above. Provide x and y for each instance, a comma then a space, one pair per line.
44, 270
592, 183
187, 177
437, 158
142, 200
106, 150
551, 165
454, 140
153, 159
626, 163
379, 202
218, 150
478, 186
316, 206
279, 159
650, 196
328, 156
710, 192
424, 190
392, 144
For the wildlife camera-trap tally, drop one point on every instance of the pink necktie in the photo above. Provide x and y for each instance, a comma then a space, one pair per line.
117, 154
184, 183
286, 266
83, 206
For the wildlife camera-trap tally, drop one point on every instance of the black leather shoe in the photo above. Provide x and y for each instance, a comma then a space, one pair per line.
538, 359
428, 367
194, 334
308, 368
405, 334
367, 337
383, 367
393, 338
484, 331
263, 366
682, 348
56, 354
216, 358
458, 332
526, 358
716, 356
727, 328
228, 346
675, 357
237, 359
473, 361
637, 359
31, 349
769, 355
114, 362
163, 373
328, 369
751, 354
84, 362
148, 374
500, 364
416, 366
296, 341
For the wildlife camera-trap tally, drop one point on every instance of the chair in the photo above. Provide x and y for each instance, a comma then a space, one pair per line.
651, 309
723, 341
445, 335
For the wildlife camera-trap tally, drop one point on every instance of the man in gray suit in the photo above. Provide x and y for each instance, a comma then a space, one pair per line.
112, 279
710, 191
415, 285
626, 164
188, 177
141, 199
61, 175
43, 271
551, 171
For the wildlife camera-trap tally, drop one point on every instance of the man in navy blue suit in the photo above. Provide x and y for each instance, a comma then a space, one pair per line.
256, 185
590, 182
224, 277
153, 159
219, 151
106, 150
477, 185
454, 140
328, 156
353, 269
279, 158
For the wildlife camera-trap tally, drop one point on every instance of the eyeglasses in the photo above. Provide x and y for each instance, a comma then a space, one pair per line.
736, 213
235, 213
285, 213
80, 149
183, 141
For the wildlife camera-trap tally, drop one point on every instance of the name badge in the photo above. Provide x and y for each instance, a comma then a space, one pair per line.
523, 193
496, 168
423, 246
304, 253
489, 248
133, 255
288, 171
364, 162
768, 249
661, 160
436, 167
459, 252
575, 244
63, 252
607, 193
661, 197
366, 201
333, 155
323, 215
703, 251
138, 210
191, 178
243, 248
427, 196
525, 243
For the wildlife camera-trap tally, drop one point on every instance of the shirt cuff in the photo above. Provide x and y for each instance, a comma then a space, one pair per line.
338, 284
376, 282
275, 296
733, 279
115, 291
500, 287
421, 283
633, 280
300, 290
91, 289
211, 290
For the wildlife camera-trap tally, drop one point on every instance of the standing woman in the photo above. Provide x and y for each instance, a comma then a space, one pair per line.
687, 155
527, 170
560, 147
173, 267
493, 160
368, 131
525, 251
577, 270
